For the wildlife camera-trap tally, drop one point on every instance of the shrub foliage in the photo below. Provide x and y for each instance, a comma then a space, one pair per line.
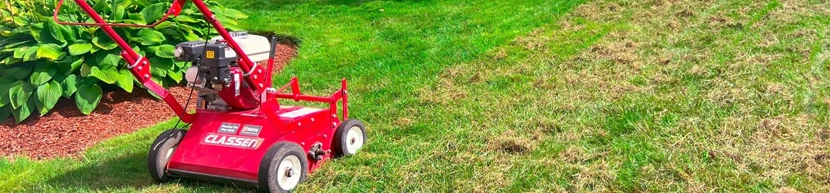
42, 61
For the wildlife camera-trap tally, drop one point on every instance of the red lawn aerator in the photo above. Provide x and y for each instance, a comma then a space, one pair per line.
239, 133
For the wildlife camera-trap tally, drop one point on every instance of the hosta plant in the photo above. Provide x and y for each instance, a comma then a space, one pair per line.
42, 61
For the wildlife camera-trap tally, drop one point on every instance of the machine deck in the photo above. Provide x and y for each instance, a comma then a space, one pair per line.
230, 145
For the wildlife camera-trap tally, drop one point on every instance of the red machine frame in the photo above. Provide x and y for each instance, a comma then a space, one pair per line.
308, 127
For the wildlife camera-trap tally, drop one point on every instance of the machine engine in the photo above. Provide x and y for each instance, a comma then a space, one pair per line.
215, 72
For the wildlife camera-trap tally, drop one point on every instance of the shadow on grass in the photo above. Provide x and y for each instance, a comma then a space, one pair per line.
128, 171
125, 173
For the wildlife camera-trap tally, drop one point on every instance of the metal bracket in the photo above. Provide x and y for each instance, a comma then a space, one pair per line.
140, 57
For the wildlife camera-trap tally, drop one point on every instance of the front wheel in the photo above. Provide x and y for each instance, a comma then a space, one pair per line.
161, 151
349, 138
282, 168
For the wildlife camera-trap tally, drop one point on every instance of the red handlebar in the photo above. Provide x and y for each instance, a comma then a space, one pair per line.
175, 9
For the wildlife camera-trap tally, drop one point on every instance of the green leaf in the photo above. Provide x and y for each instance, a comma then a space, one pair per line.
137, 18
59, 78
6, 100
166, 24
19, 52
47, 96
75, 65
162, 63
150, 37
30, 54
182, 65
103, 41
138, 50
90, 31
5, 113
18, 72
17, 43
187, 28
36, 30
188, 11
119, 13
217, 9
42, 74
125, 33
46, 37
69, 85
79, 48
236, 14
54, 30
125, 80
185, 18
87, 98
100, 6
108, 74
19, 21
24, 111
85, 68
153, 12
5, 85
107, 59
66, 61
226, 21
164, 51
190, 36
50, 51
10, 61
175, 75
19, 93
158, 71
87, 81
68, 33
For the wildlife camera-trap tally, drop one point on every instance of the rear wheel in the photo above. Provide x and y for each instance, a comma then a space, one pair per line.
282, 168
349, 138
161, 151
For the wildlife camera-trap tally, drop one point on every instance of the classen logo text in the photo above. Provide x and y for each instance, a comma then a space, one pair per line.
232, 141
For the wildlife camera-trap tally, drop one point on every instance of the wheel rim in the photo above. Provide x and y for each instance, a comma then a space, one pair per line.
288, 172
169, 153
354, 139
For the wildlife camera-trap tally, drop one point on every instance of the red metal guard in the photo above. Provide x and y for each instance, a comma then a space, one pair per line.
332, 100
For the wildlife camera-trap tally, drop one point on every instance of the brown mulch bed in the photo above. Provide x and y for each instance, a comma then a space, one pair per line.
65, 131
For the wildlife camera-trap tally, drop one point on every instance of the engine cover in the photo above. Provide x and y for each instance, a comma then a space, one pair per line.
256, 47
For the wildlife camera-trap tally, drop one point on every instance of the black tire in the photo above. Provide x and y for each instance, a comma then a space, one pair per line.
342, 141
269, 168
160, 152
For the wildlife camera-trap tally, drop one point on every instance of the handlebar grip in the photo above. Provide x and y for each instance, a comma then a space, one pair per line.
273, 48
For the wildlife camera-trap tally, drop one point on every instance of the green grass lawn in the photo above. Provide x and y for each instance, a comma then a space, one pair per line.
483, 96
387, 49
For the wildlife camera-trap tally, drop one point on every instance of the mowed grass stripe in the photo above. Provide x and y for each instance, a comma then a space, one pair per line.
666, 96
